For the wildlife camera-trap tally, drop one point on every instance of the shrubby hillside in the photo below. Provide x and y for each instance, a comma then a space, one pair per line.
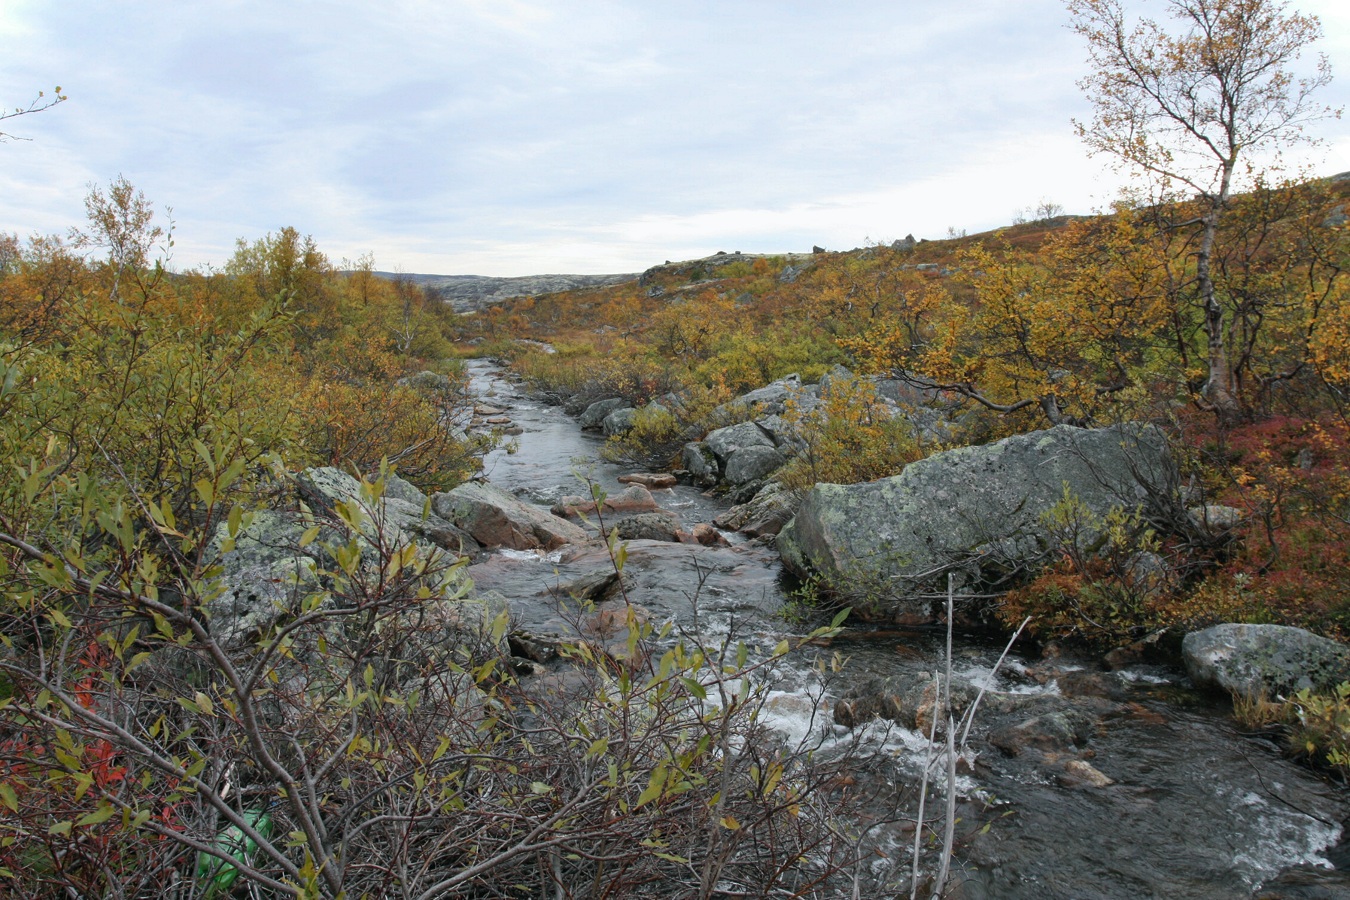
1068, 320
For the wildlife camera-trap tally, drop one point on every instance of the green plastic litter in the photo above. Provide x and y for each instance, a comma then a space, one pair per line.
218, 875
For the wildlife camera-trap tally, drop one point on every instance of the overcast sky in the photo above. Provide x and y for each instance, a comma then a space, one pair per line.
514, 137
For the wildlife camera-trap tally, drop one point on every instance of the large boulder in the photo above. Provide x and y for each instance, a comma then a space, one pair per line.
270, 565
770, 400
621, 421
1264, 660
264, 575
975, 510
595, 414
494, 518
402, 513
699, 462
725, 441
752, 464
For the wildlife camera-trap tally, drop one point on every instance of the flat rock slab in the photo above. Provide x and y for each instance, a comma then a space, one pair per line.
496, 519
649, 480
662, 577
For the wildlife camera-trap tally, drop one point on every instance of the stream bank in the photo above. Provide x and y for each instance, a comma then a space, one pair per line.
1092, 784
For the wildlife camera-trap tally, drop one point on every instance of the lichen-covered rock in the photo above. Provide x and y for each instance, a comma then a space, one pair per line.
978, 510
396, 488
699, 462
1214, 519
402, 512
595, 414
784, 434
725, 441
1269, 660
620, 421
772, 399
494, 518
650, 526
264, 575
767, 513
751, 464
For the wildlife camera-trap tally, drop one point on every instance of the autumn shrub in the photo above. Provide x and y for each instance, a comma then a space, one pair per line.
1104, 583
566, 372
851, 436
369, 737
746, 361
661, 429
356, 425
1289, 563
1320, 728
585, 375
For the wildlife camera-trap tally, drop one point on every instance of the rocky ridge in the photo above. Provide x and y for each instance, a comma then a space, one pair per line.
469, 293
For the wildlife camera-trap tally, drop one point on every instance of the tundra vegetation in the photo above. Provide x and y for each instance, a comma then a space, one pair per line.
376, 741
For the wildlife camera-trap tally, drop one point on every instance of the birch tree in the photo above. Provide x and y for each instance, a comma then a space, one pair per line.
1193, 108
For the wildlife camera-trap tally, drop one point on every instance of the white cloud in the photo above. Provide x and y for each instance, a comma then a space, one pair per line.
516, 137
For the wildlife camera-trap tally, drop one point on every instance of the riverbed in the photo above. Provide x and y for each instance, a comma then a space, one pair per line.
1185, 806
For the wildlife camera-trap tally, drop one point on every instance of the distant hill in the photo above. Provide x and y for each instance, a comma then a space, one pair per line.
468, 293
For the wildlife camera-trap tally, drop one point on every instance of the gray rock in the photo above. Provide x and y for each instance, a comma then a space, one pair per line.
770, 400
494, 518
751, 463
767, 513
838, 375
1269, 660
428, 382
1060, 731
400, 514
974, 509
699, 462
1217, 520
744, 493
619, 422
595, 587
725, 441
467, 293
910, 698
652, 526
784, 434
264, 576
398, 489
594, 416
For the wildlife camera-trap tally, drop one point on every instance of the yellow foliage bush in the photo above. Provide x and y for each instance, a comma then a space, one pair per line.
850, 437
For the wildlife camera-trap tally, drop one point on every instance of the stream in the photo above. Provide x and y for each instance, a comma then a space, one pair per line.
1163, 797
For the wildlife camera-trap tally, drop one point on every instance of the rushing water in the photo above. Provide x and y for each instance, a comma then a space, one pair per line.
1193, 809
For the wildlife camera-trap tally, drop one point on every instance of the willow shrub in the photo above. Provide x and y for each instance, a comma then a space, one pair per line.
370, 738
848, 438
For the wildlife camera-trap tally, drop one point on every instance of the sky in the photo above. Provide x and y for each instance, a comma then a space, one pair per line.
521, 137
